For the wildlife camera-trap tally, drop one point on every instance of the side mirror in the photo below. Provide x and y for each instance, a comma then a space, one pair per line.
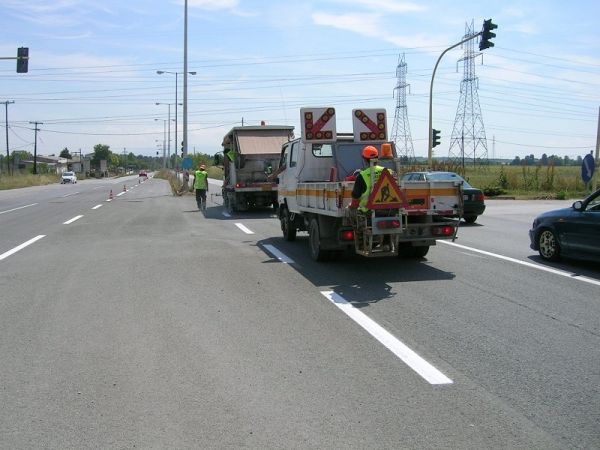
578, 205
218, 159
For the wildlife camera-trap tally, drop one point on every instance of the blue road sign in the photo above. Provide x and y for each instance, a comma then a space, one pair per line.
587, 168
187, 163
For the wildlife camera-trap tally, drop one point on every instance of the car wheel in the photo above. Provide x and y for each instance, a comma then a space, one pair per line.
548, 245
470, 219
287, 226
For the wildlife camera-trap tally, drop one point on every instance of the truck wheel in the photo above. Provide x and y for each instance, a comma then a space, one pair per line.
314, 242
470, 219
287, 226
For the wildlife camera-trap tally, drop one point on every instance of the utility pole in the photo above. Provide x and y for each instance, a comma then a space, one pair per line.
597, 152
185, 79
6, 103
35, 146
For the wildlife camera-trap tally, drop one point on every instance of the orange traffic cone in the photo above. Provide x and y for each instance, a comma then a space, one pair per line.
110, 196
124, 188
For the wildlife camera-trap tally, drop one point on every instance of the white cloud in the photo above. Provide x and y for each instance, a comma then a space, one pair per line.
371, 25
213, 5
388, 5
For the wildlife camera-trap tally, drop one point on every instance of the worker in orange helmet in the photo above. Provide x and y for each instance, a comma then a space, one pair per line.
362, 186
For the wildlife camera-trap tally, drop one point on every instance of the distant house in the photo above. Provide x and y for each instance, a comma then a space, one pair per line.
54, 164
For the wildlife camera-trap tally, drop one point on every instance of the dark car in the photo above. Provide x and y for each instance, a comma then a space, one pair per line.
572, 232
474, 200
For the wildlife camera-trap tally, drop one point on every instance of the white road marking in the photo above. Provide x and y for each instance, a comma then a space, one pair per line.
72, 220
408, 356
97, 206
120, 193
21, 247
68, 195
243, 228
15, 209
562, 273
277, 254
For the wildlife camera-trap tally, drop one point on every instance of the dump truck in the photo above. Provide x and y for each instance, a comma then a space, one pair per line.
315, 182
250, 154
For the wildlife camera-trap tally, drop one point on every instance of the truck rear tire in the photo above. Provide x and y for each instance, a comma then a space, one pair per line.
287, 225
314, 242
409, 251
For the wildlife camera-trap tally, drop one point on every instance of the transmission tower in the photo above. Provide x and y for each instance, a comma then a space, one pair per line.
468, 141
401, 129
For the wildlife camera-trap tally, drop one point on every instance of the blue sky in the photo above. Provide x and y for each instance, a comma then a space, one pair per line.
92, 71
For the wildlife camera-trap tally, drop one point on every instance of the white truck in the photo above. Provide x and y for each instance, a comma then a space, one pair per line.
316, 181
250, 154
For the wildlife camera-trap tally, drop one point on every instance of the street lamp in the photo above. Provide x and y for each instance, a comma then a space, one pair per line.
160, 72
164, 141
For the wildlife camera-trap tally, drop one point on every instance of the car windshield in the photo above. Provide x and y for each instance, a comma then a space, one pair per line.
448, 176
68, 174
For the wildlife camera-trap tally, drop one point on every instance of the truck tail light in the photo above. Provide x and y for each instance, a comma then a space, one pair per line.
479, 197
347, 235
446, 230
240, 185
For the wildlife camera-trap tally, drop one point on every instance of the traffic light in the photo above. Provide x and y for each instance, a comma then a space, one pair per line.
181, 148
435, 134
22, 59
486, 34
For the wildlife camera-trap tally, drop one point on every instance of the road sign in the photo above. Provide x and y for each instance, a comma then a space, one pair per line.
318, 124
587, 168
186, 163
385, 193
369, 125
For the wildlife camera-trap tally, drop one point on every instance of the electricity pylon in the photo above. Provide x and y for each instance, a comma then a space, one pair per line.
401, 128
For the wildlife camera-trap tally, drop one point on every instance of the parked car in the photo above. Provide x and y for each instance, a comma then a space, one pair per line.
572, 232
68, 177
474, 200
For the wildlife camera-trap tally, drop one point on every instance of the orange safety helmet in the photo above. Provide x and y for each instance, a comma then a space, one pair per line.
370, 152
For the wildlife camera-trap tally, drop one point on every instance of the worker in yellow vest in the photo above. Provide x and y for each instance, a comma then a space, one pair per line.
201, 186
362, 186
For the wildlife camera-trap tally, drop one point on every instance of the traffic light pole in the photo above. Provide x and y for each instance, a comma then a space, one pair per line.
430, 147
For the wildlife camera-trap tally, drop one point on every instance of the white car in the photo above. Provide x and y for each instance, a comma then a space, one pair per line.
68, 177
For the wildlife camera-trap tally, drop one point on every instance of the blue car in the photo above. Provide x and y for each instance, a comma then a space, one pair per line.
571, 232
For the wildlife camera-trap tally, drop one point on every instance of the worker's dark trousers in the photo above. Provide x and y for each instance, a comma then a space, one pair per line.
201, 198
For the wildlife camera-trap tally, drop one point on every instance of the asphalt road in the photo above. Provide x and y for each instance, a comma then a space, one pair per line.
141, 322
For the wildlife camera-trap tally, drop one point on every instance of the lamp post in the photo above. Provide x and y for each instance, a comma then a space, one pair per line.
169, 132
160, 72
164, 141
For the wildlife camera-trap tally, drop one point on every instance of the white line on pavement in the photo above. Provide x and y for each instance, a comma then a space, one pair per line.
15, 209
97, 206
68, 195
277, 254
244, 228
408, 356
21, 247
120, 193
72, 220
562, 273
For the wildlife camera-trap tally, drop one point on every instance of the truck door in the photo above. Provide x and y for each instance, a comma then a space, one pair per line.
288, 178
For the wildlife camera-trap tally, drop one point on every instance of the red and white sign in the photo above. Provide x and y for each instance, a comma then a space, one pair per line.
318, 124
369, 125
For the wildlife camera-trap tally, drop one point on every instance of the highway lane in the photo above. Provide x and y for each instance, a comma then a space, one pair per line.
26, 213
170, 328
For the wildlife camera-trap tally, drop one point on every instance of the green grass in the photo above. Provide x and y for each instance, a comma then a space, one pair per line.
20, 181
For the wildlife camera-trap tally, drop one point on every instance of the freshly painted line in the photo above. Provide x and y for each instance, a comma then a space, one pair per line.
120, 193
72, 220
408, 356
68, 195
562, 273
21, 247
243, 228
15, 209
277, 254
97, 206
